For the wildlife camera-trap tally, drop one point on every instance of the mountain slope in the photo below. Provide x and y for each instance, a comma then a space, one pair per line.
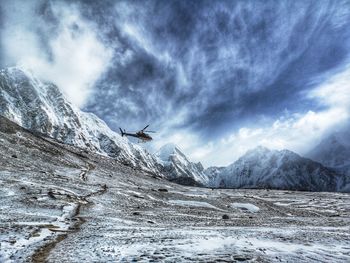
213, 172
42, 108
179, 168
264, 168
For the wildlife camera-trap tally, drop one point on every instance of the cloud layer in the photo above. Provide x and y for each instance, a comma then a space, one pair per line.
54, 41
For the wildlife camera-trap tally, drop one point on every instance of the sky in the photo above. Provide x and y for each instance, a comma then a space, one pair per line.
216, 78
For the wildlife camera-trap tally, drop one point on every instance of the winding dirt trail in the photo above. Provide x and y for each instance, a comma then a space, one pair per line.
42, 254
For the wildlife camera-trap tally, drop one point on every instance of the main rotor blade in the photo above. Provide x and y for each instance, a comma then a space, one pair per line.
151, 131
145, 128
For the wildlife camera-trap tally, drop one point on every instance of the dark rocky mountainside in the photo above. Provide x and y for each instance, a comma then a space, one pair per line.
264, 168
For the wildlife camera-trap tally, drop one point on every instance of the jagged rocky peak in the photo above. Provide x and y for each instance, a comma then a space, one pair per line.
166, 151
179, 168
170, 152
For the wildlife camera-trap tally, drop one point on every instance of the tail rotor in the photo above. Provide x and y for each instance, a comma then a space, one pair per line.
122, 132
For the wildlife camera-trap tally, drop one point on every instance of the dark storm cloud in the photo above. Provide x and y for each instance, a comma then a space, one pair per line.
219, 63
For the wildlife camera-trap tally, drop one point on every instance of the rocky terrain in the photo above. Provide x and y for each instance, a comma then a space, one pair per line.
62, 204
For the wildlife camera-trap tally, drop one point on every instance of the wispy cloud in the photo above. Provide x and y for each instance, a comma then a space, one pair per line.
298, 132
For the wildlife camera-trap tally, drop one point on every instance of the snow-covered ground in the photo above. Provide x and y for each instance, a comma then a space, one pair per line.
62, 204
188, 228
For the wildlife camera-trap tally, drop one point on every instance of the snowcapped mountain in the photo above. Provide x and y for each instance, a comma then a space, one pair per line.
179, 168
264, 168
333, 151
41, 107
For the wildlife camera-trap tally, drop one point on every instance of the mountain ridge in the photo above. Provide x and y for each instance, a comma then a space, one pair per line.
41, 108
272, 169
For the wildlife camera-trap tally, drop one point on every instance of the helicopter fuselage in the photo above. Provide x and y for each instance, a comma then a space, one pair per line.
140, 135
144, 137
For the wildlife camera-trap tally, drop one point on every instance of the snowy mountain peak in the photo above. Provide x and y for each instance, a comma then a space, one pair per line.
259, 149
267, 157
263, 151
166, 151
169, 151
181, 169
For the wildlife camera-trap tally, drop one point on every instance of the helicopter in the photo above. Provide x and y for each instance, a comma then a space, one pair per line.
141, 135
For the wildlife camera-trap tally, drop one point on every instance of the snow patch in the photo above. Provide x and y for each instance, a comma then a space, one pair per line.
246, 206
192, 203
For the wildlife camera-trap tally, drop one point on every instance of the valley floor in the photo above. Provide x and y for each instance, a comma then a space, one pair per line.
61, 204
